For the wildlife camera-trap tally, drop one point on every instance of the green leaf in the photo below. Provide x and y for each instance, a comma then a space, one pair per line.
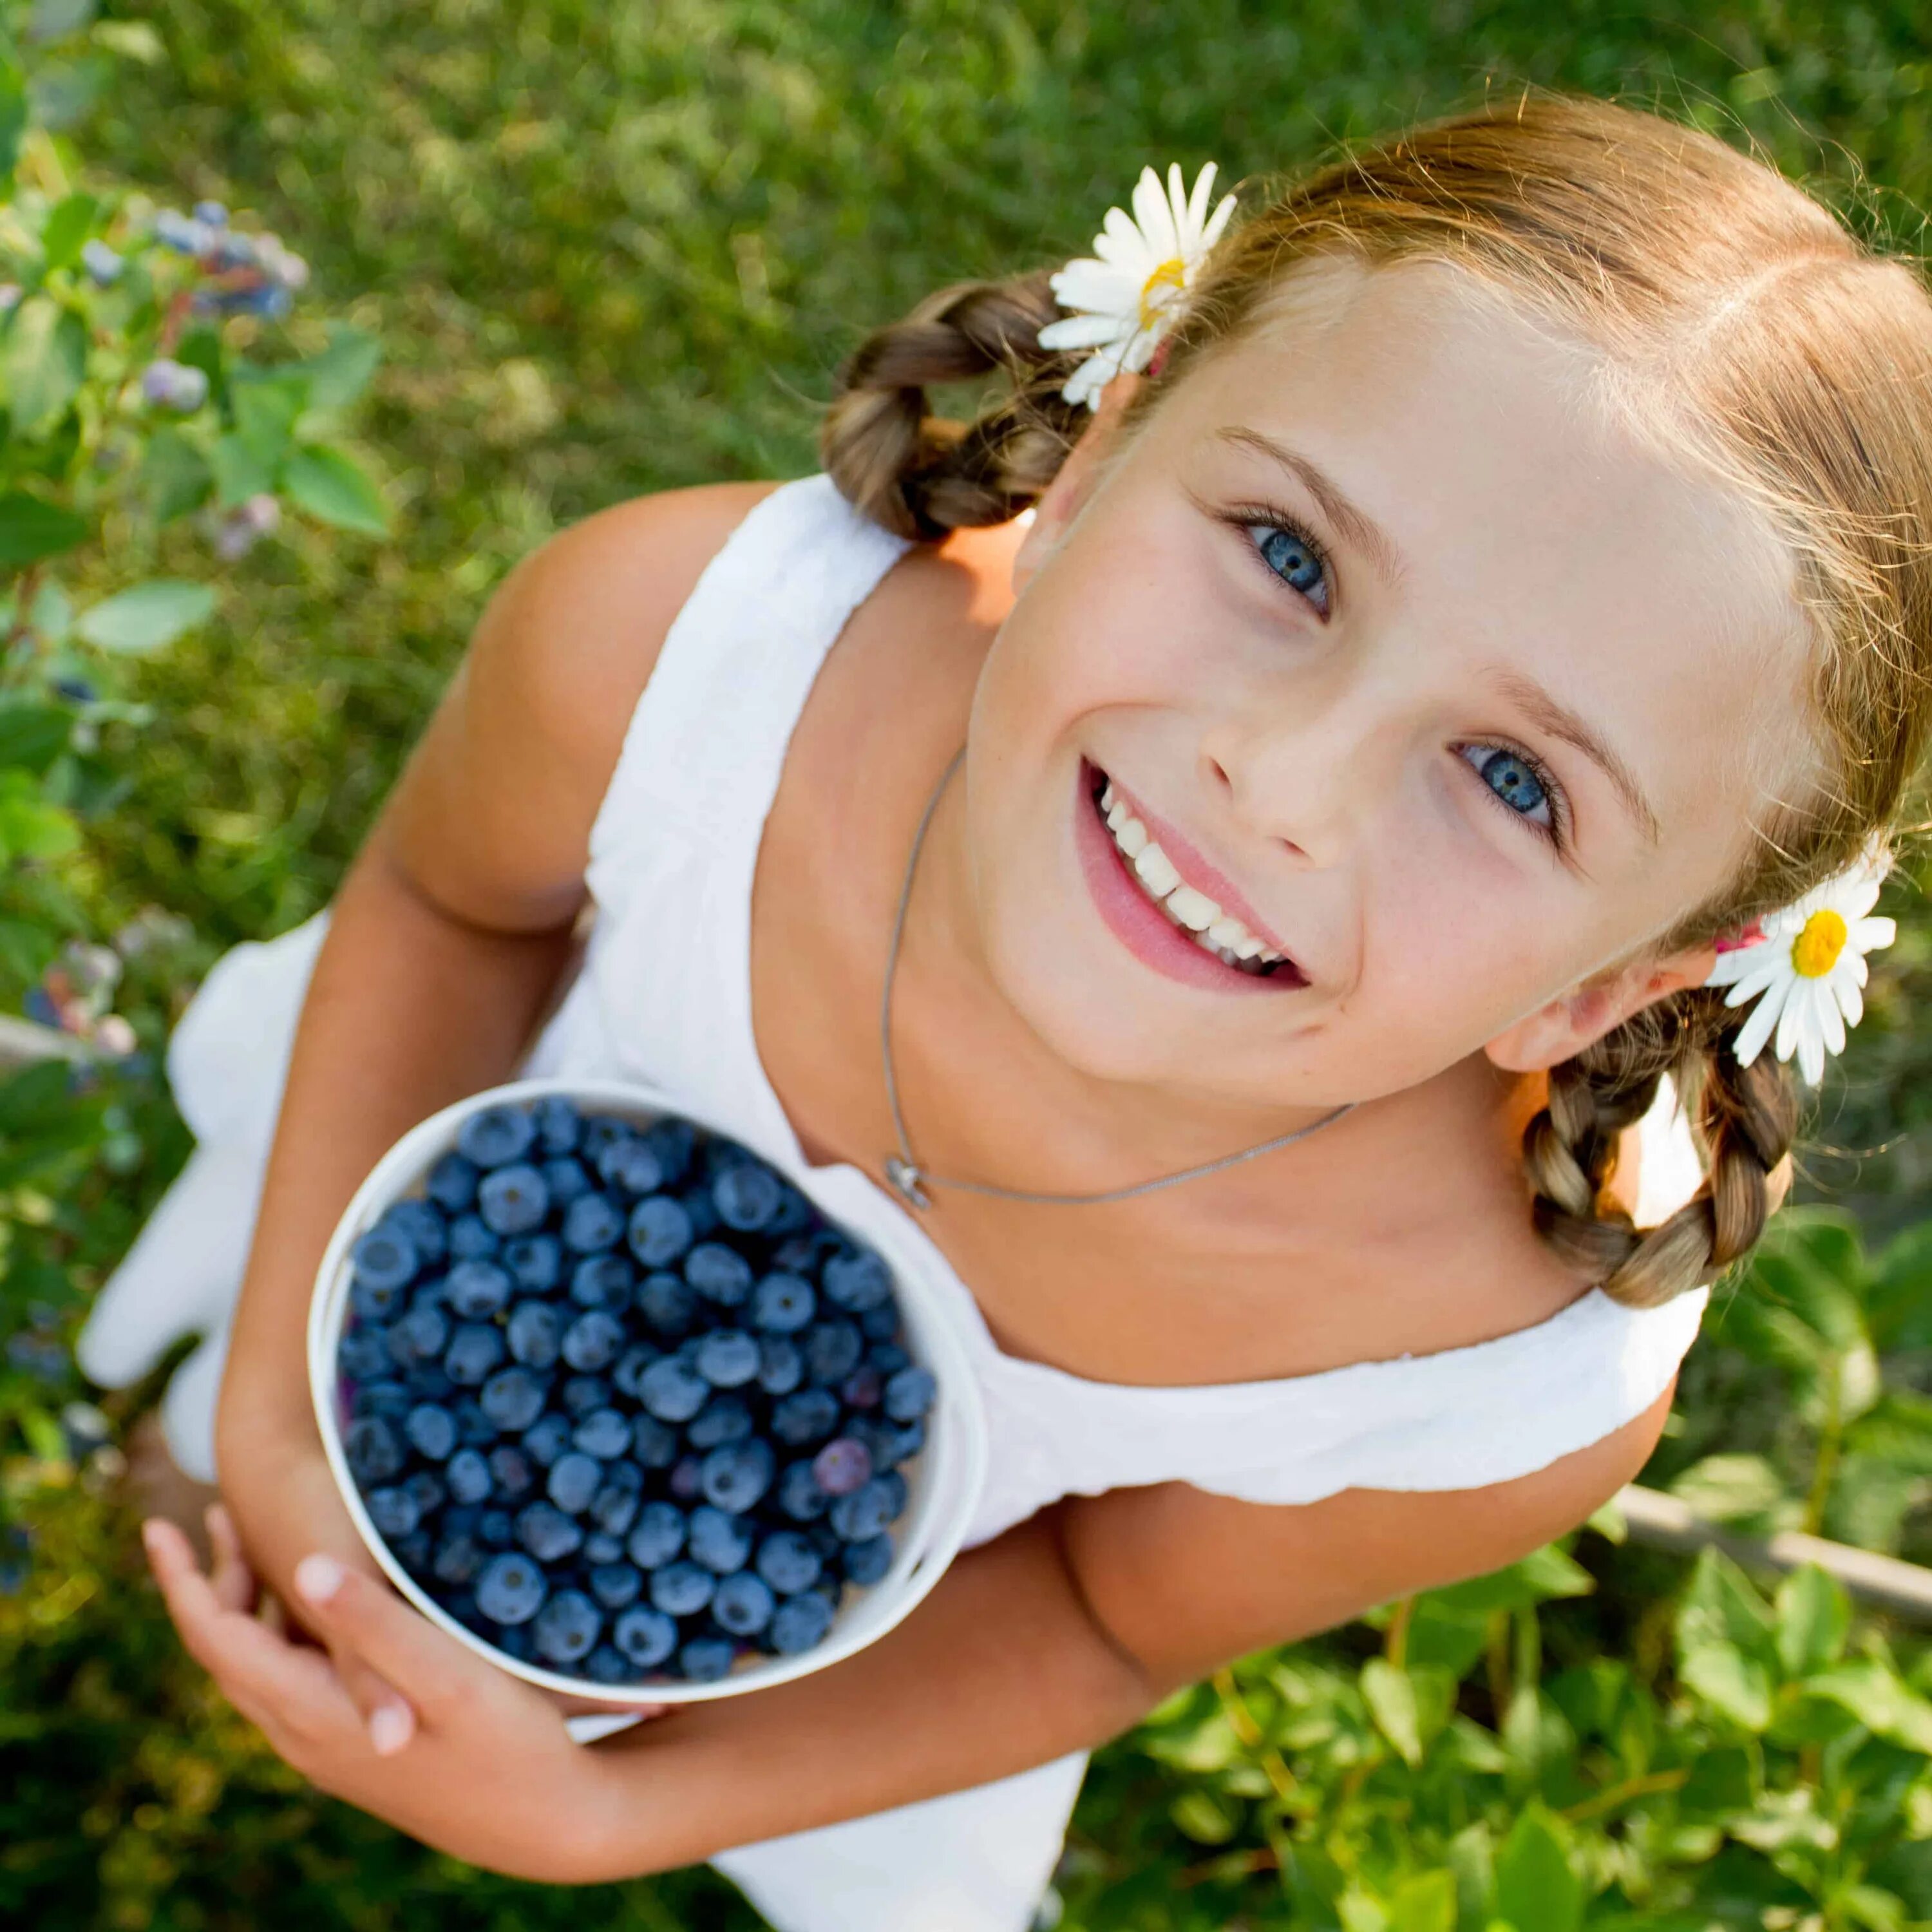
1206, 1818
1720, 1783
46, 362
1425, 1902
1390, 1698
31, 828
32, 736
265, 416
1550, 1571
239, 472
1813, 1615
31, 529
332, 488
1535, 1886
35, 1100
175, 475
55, 19
1879, 1700
1725, 1652
343, 370
1723, 1676
69, 225
146, 617
134, 39
1899, 1303
13, 122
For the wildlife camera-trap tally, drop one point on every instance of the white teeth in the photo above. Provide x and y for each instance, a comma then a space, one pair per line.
1190, 909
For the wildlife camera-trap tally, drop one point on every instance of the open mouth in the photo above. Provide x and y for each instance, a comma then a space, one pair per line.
1189, 911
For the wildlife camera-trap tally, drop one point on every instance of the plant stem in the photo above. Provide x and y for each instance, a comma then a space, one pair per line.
1395, 1639
1828, 1441
1621, 1794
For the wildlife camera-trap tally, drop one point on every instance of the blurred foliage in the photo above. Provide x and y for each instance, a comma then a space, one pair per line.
608, 250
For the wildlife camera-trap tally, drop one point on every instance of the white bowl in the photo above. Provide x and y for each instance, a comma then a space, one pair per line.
944, 1479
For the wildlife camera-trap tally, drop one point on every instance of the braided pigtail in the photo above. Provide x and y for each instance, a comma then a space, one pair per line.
921, 476
1745, 1118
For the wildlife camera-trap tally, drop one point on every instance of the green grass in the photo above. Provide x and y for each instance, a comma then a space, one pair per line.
621, 248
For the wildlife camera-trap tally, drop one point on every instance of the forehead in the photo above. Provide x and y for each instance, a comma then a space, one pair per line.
1544, 520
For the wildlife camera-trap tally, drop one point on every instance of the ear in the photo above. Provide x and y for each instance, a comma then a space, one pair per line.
1562, 1029
1062, 500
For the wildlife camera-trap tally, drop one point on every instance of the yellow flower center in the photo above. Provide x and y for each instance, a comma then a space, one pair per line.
1160, 288
1815, 951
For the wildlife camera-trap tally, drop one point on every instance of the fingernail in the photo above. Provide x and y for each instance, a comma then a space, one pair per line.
151, 1535
389, 1730
319, 1577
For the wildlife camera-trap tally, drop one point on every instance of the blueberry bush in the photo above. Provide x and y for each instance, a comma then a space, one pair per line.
611, 249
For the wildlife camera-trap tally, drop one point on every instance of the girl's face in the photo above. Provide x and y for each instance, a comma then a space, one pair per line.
1415, 661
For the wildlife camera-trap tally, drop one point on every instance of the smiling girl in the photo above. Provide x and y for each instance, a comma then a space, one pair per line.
1281, 868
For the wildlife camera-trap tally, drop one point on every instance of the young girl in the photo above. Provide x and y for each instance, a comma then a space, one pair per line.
1509, 583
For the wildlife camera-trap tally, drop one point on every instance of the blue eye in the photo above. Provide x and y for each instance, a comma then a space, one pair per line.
1514, 781
1293, 558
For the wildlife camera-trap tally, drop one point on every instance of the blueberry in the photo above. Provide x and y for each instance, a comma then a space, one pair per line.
880, 1325
461, 1519
373, 1453
653, 1444
668, 1303
566, 1180
728, 1358
474, 1351
547, 1438
658, 1537
468, 1475
473, 1428
431, 1430
686, 1479
781, 1367
420, 1335
393, 1511
866, 1511
558, 1123
470, 1239
719, 1273
616, 1585
547, 1533
743, 1604
427, 1489
725, 1418
681, 1589
630, 1368
582, 1393
888, 1357
375, 1301
647, 1637
787, 1562
534, 1332
495, 1136
388, 1399
591, 1223
747, 1197
495, 1530
535, 1262
451, 1184
733, 1477
567, 1627
799, 1623
672, 1390
705, 1659
512, 1473
513, 1200
831, 1351
809, 1417
516, 1643
613, 1509
855, 1281
574, 1480
421, 1226
867, 1562
697, 1204
630, 1165
799, 1494
603, 1433
602, 1281
512, 1399
909, 1394
863, 1387
888, 1443
599, 1549
673, 1142
478, 1289
602, 1130
720, 1542
843, 1465
659, 1231
782, 1304
457, 1560
414, 1551
365, 1352
593, 1341
607, 1666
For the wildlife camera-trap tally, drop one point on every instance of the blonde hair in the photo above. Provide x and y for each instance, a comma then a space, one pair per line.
1797, 365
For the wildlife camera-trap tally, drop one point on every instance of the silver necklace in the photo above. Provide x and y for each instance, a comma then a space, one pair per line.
903, 1171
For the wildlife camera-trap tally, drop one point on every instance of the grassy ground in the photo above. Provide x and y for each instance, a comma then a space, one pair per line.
621, 248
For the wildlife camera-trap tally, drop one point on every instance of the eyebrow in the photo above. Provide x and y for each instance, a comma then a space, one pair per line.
1361, 529
1368, 536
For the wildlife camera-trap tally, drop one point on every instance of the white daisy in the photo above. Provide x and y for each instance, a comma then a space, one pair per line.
1808, 971
1127, 293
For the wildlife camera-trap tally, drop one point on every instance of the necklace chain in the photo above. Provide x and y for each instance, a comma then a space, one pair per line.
902, 1169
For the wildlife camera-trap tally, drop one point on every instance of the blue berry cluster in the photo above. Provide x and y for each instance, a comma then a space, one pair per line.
622, 1401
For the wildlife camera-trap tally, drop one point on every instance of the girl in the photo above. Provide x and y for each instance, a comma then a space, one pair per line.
1282, 871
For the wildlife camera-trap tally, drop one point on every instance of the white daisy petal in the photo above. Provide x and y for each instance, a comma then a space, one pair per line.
1123, 244
1087, 382
1197, 202
1868, 935
1858, 900
1790, 1023
1739, 964
1083, 331
1851, 999
1756, 1029
1810, 1055
1768, 972
1216, 222
1089, 284
1831, 1021
1155, 217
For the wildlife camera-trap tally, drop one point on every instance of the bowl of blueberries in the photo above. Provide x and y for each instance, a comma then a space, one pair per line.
613, 1403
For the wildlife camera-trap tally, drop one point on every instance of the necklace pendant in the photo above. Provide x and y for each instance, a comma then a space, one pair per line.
907, 1179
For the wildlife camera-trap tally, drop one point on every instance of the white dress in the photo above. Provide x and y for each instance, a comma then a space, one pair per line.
664, 994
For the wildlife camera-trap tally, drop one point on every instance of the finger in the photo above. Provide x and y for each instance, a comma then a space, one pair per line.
233, 1581
429, 1670
298, 1689
387, 1714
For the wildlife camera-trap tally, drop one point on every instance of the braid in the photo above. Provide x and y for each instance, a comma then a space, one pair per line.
921, 476
1746, 1117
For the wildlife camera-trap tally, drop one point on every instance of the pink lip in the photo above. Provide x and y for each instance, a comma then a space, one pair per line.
1134, 922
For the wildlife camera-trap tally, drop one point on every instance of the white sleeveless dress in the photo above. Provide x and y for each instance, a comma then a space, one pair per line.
664, 993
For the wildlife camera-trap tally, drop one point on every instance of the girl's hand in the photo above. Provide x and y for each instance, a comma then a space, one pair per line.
474, 1762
